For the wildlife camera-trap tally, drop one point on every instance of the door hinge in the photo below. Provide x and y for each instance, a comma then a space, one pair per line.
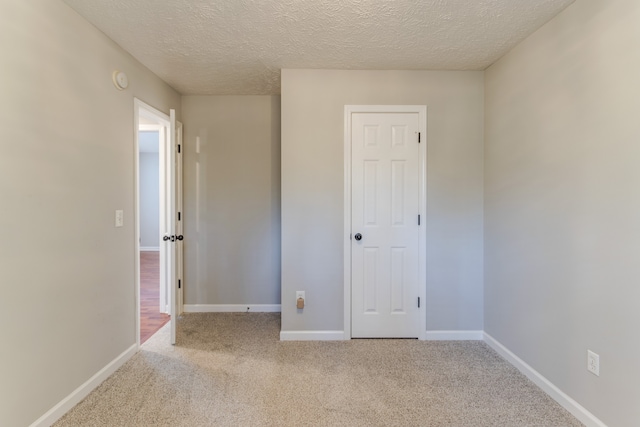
418, 219
178, 148
180, 286
179, 216
418, 302
419, 137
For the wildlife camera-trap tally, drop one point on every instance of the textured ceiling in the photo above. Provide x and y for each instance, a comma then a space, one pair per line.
239, 46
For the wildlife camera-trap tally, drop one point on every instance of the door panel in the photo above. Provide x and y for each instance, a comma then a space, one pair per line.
179, 223
385, 207
370, 189
370, 273
398, 280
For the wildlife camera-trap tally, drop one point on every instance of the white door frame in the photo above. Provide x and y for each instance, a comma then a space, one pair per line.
143, 109
349, 110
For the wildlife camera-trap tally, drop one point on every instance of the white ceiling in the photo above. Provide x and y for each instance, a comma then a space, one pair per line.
207, 47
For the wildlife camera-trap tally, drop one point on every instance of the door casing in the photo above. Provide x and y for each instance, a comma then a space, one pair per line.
349, 110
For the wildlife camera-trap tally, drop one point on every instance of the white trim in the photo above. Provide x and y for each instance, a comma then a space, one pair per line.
55, 413
149, 248
164, 230
577, 410
421, 110
454, 335
313, 336
346, 251
147, 128
149, 112
231, 308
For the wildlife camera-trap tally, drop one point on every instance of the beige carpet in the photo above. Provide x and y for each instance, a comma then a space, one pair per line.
231, 370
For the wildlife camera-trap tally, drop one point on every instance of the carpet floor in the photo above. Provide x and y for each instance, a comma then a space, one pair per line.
230, 369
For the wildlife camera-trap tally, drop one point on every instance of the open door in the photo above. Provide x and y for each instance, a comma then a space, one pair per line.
170, 209
179, 228
173, 236
171, 218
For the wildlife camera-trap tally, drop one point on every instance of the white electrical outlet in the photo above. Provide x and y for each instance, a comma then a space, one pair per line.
119, 218
593, 363
300, 300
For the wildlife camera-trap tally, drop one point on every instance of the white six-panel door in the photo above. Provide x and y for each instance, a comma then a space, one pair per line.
385, 231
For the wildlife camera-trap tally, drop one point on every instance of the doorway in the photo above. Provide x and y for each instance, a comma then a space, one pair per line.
158, 220
154, 310
385, 221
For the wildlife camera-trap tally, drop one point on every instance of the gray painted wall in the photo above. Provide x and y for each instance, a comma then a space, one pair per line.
312, 190
68, 290
149, 199
232, 199
562, 216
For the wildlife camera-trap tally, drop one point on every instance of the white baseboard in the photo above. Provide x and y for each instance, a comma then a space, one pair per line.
577, 410
55, 413
312, 336
339, 335
149, 249
454, 336
232, 308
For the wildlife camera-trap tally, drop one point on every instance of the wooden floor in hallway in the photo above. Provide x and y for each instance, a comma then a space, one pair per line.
151, 320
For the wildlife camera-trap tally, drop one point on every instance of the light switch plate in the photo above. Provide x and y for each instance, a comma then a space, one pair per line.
593, 363
119, 218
